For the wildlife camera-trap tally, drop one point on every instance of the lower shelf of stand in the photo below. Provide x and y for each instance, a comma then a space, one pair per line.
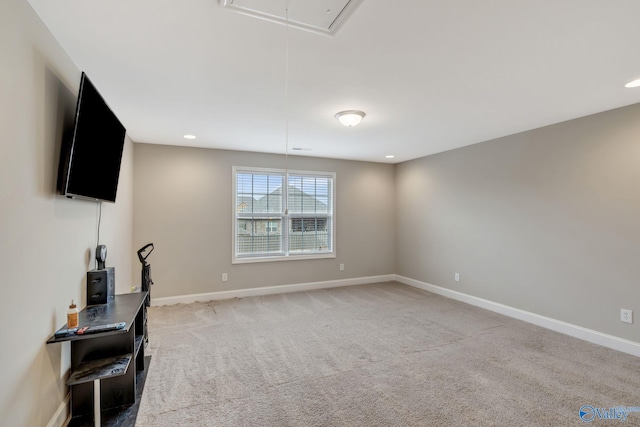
100, 369
124, 416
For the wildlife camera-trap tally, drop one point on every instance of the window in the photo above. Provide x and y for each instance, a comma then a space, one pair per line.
272, 226
282, 216
310, 224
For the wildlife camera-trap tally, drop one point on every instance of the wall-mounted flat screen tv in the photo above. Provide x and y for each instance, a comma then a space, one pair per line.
90, 161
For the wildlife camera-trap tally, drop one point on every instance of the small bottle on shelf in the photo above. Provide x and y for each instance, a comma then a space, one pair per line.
72, 316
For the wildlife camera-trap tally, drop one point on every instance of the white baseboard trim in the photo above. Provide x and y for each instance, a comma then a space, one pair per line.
595, 337
270, 290
62, 415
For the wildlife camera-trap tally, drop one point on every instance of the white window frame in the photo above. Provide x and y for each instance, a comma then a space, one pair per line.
285, 255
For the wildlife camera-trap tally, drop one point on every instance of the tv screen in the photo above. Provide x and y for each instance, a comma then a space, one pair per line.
90, 164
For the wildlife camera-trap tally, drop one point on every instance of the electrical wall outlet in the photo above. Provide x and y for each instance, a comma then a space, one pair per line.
225, 277
626, 316
341, 267
456, 277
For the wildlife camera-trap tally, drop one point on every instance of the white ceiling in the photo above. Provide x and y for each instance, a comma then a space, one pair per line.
431, 75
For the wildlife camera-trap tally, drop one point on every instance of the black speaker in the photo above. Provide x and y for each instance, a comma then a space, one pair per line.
101, 285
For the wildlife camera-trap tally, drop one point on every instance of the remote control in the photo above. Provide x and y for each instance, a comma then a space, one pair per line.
101, 328
65, 332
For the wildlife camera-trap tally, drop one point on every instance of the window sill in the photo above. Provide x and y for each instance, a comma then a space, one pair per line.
248, 260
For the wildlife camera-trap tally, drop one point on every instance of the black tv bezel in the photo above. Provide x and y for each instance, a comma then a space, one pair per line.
67, 154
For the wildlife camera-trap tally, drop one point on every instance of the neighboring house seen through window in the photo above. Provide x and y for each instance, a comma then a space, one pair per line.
262, 230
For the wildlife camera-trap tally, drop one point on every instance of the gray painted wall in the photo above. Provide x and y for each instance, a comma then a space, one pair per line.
546, 221
46, 241
183, 204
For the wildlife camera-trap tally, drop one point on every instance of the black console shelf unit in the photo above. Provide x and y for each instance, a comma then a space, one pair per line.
113, 357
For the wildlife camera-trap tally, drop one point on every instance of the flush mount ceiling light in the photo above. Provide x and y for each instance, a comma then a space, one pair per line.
350, 118
189, 136
635, 83
390, 156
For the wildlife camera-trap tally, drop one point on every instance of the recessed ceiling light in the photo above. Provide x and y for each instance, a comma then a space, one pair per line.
189, 137
390, 156
635, 83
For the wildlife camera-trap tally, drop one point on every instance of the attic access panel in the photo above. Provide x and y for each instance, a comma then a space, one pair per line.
317, 16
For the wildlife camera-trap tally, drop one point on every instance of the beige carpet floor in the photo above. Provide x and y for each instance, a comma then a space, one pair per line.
373, 355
